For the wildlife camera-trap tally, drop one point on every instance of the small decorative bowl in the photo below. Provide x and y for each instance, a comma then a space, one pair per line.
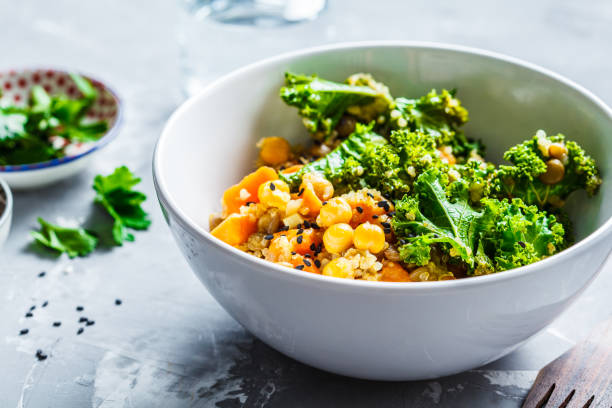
6, 211
15, 86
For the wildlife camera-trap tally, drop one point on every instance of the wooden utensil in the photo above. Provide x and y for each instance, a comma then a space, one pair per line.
582, 377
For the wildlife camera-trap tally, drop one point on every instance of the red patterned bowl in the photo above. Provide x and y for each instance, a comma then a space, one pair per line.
15, 86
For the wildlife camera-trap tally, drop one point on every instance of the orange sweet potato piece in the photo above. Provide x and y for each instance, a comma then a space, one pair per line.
236, 228
233, 200
393, 272
311, 204
299, 260
292, 169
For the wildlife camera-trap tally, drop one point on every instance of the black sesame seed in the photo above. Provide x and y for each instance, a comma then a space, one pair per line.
307, 262
300, 231
359, 209
32, 307
375, 217
272, 186
45, 303
436, 236
317, 263
300, 239
307, 256
370, 195
324, 203
298, 226
57, 324
299, 267
382, 204
300, 192
385, 224
23, 332
306, 224
81, 330
83, 319
411, 235
29, 314
118, 302
80, 308
284, 228
90, 323
43, 273
269, 236
313, 247
387, 230
314, 225
249, 203
40, 355
282, 168
522, 244
293, 252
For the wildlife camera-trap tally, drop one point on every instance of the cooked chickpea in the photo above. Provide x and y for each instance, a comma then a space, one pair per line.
274, 150
322, 188
338, 268
369, 236
555, 171
346, 125
558, 151
338, 238
274, 193
420, 274
336, 211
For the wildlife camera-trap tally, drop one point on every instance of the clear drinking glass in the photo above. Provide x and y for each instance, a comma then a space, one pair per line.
217, 36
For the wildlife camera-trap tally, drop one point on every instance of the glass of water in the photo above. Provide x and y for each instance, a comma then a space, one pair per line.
218, 36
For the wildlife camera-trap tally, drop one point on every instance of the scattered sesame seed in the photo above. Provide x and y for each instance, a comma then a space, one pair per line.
90, 323
317, 263
293, 252
272, 186
300, 192
83, 319
382, 204
324, 203
298, 226
284, 228
80, 308
522, 244
23, 332
359, 209
40, 355
269, 236
314, 225
32, 307
307, 262
385, 224
313, 247
45, 303
299, 267
300, 239
42, 274
300, 231
81, 330
118, 302
57, 324
307, 256
375, 217
29, 314
306, 224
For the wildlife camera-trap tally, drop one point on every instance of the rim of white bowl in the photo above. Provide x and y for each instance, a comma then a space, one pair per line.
437, 286
109, 136
8, 207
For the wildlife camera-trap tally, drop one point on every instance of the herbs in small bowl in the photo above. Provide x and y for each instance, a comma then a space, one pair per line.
48, 120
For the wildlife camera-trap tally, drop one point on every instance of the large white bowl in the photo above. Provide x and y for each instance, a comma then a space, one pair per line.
383, 331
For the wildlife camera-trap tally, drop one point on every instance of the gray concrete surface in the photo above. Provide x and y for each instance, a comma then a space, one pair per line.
170, 344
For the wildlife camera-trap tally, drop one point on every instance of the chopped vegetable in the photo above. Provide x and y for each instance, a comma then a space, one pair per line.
73, 241
322, 103
115, 194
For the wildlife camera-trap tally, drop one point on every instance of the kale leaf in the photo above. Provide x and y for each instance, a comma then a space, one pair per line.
529, 163
73, 241
322, 103
123, 204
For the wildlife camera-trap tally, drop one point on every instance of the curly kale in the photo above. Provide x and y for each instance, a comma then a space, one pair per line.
497, 236
515, 234
478, 177
343, 165
392, 168
526, 179
322, 103
439, 115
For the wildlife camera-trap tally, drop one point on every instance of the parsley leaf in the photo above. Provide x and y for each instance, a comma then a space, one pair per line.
123, 204
73, 241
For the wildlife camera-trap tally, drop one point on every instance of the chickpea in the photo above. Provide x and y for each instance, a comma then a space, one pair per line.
346, 125
274, 150
558, 151
555, 171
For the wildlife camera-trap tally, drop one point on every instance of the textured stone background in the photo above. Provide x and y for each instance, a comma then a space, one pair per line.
170, 344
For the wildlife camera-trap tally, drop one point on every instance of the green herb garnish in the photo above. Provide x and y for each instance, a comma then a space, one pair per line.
73, 241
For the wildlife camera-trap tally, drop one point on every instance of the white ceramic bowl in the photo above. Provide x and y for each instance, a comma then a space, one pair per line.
377, 330
7, 213
15, 88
